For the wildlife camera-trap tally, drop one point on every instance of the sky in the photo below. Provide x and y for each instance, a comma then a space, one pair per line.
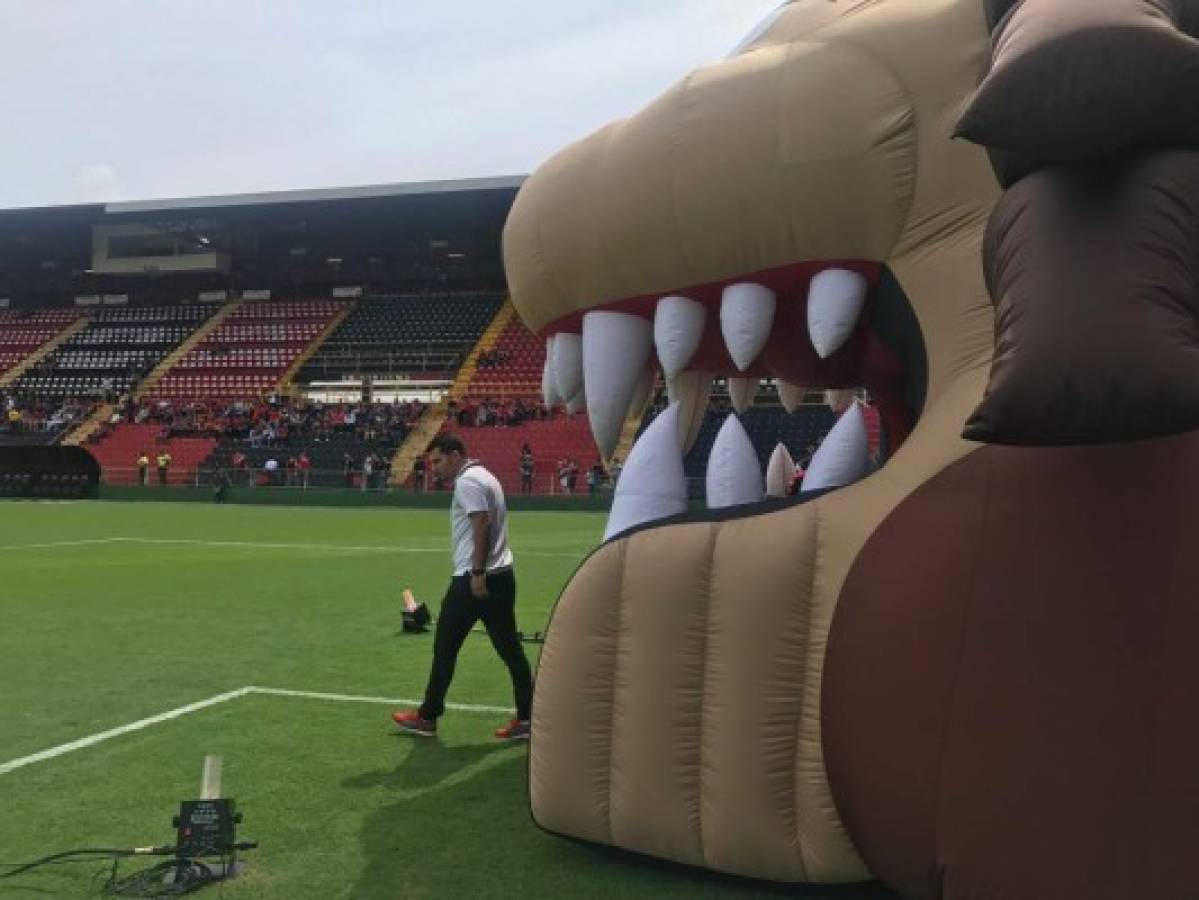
107, 100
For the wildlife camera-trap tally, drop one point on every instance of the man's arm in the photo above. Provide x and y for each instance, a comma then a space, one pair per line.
480, 526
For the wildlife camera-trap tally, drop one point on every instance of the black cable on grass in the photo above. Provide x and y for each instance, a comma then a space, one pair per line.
190, 875
87, 854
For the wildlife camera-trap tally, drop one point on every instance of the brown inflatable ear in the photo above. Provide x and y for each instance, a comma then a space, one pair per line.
1188, 13
1078, 79
1094, 270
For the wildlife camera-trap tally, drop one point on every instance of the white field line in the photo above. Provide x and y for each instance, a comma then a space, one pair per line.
390, 701
352, 548
52, 544
92, 740
261, 545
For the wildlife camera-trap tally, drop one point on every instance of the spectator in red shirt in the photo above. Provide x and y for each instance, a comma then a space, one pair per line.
302, 466
239, 462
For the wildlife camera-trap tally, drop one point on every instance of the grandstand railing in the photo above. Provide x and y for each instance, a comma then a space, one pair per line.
542, 485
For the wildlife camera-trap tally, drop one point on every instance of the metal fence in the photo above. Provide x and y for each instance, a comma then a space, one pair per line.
541, 484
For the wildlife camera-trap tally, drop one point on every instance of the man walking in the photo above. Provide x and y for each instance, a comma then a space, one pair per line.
483, 587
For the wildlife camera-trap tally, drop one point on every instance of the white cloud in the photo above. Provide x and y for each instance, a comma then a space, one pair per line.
224, 96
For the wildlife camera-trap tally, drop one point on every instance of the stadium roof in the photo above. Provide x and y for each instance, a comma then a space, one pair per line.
386, 235
272, 198
316, 195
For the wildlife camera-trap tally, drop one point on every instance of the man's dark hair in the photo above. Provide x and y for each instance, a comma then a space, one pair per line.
448, 443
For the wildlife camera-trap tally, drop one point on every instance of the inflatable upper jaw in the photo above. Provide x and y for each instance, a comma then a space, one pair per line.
824, 146
793, 153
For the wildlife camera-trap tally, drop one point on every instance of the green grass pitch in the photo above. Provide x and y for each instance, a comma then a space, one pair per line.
111, 613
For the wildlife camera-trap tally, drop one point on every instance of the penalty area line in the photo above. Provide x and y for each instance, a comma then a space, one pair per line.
100, 737
92, 740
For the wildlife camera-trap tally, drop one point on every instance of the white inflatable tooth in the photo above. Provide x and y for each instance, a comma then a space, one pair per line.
741, 392
779, 472
678, 328
643, 390
734, 473
568, 364
691, 391
746, 317
843, 457
577, 403
835, 301
838, 399
652, 484
616, 348
549, 382
790, 395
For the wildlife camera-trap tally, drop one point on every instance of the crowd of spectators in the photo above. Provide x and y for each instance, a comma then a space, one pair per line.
294, 469
273, 421
476, 412
33, 415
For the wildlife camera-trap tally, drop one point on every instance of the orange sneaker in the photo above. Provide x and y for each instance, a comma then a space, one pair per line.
516, 730
411, 722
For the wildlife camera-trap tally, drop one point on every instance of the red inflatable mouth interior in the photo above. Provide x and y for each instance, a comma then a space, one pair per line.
861, 362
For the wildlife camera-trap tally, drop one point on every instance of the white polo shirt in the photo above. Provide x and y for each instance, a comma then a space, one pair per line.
477, 490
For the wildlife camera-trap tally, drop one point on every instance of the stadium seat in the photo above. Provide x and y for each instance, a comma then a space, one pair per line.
426, 334
248, 354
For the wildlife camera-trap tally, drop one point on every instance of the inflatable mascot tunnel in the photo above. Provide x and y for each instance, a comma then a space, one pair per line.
970, 673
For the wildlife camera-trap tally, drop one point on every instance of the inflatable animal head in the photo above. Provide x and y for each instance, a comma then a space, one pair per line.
926, 676
768, 215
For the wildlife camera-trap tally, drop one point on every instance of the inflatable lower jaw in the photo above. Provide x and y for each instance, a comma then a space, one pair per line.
678, 706
670, 714
653, 485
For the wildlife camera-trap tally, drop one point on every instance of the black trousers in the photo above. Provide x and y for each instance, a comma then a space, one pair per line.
460, 610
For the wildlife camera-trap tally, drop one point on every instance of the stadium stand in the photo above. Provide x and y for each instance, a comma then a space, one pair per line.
241, 361
170, 315
249, 353
112, 353
767, 426
118, 451
337, 439
507, 383
22, 332
31, 421
416, 334
552, 440
512, 368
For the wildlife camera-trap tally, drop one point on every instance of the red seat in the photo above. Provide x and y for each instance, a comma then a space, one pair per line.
117, 452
